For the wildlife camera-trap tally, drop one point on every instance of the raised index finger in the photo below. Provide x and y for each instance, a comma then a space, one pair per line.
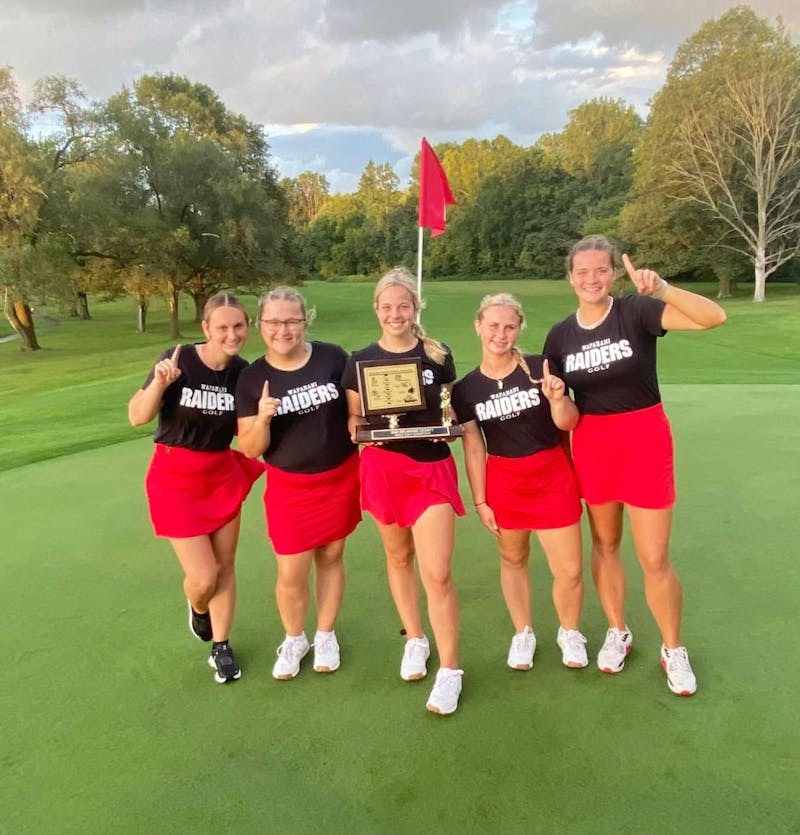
629, 268
175, 354
265, 390
546, 369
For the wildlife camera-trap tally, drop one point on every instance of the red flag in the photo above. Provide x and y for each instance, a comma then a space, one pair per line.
434, 191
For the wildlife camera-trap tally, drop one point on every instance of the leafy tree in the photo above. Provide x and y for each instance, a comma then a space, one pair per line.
198, 203
306, 195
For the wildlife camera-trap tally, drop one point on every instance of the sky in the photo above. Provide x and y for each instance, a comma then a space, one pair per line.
337, 83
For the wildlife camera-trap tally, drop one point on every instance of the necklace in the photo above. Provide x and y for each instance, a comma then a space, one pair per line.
222, 383
599, 321
501, 381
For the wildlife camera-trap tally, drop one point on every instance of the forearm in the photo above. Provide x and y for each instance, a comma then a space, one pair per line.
689, 311
475, 465
145, 405
253, 436
565, 413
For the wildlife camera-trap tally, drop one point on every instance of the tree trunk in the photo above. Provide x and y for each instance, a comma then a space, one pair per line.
200, 295
174, 320
141, 315
761, 275
20, 318
83, 307
726, 287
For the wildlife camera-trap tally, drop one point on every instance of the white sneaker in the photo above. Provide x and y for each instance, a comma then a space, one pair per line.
616, 648
415, 655
446, 690
290, 653
680, 678
573, 648
520, 654
326, 652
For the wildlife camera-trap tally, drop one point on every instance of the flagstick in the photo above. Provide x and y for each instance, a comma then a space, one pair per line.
419, 272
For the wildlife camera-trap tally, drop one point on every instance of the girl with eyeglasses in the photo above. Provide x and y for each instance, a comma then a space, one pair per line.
292, 410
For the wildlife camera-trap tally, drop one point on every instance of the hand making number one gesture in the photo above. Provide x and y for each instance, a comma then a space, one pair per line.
267, 406
553, 387
166, 370
647, 282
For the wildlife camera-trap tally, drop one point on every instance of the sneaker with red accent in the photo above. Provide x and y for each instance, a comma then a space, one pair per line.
680, 678
616, 648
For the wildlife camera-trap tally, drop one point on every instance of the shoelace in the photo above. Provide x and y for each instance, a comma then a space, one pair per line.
617, 641
416, 650
287, 649
448, 682
574, 640
326, 645
678, 660
523, 641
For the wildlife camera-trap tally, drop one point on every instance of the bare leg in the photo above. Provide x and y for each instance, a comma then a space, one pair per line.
222, 604
398, 544
199, 564
515, 581
562, 546
609, 576
433, 538
329, 583
291, 589
651, 530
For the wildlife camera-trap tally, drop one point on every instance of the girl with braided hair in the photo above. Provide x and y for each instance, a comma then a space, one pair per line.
410, 487
519, 474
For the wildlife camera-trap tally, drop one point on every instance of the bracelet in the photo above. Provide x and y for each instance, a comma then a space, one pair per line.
662, 288
478, 504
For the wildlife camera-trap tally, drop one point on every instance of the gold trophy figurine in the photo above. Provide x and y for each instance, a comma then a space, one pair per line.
447, 420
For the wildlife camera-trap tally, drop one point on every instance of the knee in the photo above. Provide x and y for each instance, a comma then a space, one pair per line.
656, 565
328, 558
203, 585
606, 547
400, 558
513, 558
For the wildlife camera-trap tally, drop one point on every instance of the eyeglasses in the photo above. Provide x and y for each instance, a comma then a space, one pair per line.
275, 324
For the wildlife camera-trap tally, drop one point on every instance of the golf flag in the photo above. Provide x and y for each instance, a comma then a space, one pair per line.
434, 191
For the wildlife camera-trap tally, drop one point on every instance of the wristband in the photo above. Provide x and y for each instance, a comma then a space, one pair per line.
478, 504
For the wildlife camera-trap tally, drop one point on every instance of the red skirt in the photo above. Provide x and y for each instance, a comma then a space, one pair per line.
397, 490
195, 493
625, 458
307, 510
533, 493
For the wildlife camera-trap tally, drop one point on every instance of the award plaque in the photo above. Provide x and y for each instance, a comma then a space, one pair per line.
390, 389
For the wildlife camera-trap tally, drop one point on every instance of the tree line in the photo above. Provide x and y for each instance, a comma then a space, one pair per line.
162, 191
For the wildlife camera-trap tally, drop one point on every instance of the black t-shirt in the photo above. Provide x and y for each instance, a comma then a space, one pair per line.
433, 377
611, 368
309, 432
198, 410
515, 417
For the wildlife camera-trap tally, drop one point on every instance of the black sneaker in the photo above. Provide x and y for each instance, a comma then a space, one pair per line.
224, 663
200, 625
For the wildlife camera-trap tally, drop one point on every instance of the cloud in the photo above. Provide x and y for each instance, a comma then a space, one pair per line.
379, 73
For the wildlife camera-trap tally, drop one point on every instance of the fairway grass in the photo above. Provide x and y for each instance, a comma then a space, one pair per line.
113, 723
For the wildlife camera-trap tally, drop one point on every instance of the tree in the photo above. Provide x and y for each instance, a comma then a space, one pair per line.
724, 135
195, 199
306, 195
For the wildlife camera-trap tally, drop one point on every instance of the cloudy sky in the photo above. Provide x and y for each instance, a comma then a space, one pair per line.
340, 82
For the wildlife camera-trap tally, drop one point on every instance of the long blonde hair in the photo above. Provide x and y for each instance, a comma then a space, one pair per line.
223, 300
507, 300
403, 277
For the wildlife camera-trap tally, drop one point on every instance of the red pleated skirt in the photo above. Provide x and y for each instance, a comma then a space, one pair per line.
533, 493
195, 493
625, 458
396, 489
308, 510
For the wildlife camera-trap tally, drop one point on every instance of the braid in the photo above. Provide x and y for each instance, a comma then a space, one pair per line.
522, 363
